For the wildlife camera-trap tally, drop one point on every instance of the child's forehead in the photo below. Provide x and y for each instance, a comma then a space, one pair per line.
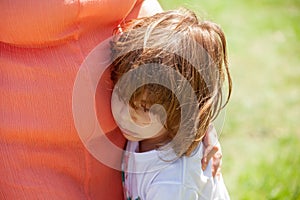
147, 94
142, 97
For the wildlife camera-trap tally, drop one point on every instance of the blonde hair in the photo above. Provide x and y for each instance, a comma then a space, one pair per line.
174, 42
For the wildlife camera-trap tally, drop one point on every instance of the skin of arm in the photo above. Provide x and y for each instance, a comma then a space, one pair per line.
144, 8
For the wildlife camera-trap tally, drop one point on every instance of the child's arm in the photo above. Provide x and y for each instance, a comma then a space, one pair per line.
212, 150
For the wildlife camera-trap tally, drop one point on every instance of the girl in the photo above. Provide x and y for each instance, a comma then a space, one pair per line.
168, 72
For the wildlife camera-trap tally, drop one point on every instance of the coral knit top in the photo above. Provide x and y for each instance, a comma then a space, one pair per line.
43, 43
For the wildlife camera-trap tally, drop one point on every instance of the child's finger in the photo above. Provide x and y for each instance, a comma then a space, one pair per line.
212, 152
208, 154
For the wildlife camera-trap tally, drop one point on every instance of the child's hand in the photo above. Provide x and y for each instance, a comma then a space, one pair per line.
212, 150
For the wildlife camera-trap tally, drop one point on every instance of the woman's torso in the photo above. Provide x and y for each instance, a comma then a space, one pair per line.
42, 45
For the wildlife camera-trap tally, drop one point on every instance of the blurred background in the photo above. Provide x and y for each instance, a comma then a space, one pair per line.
260, 137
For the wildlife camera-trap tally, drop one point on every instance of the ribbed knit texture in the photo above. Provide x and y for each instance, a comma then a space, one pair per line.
42, 45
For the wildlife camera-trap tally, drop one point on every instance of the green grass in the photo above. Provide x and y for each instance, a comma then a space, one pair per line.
260, 138
276, 178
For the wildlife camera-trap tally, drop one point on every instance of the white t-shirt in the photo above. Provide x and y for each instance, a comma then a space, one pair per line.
148, 177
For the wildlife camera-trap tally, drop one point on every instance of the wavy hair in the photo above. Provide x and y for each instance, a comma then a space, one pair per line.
174, 42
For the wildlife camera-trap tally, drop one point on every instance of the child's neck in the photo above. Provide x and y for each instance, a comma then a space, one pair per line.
153, 143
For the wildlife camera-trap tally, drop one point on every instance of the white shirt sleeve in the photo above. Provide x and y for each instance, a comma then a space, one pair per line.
220, 191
